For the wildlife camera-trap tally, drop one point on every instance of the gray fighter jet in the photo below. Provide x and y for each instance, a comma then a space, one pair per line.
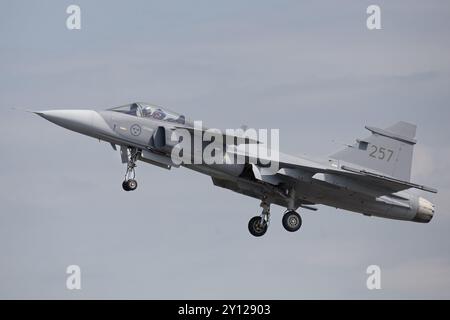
371, 177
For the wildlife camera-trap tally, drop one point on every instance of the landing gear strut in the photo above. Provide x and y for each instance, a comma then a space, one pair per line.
130, 184
258, 225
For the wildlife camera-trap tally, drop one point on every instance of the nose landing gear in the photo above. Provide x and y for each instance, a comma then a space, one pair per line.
130, 184
258, 225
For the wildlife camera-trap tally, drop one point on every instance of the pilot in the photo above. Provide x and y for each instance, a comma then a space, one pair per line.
133, 109
147, 112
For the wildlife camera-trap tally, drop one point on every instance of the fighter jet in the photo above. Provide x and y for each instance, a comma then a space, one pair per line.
370, 176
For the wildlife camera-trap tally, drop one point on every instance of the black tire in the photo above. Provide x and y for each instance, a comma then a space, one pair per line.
132, 184
255, 227
125, 186
292, 221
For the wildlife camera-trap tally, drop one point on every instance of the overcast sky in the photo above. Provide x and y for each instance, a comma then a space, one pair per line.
310, 68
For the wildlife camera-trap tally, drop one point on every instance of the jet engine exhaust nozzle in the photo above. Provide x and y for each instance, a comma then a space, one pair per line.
425, 211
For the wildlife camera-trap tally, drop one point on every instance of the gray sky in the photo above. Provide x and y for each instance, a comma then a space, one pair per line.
310, 68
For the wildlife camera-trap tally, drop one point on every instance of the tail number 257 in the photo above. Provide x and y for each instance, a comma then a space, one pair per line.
380, 153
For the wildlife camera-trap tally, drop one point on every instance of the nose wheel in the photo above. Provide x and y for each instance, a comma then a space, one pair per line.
130, 183
258, 225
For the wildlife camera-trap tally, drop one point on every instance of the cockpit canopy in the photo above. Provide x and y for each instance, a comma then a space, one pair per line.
146, 110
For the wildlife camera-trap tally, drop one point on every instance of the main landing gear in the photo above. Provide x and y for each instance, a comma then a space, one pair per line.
258, 225
291, 221
130, 184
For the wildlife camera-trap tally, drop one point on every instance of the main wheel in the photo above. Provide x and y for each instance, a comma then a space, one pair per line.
292, 221
132, 184
256, 227
125, 186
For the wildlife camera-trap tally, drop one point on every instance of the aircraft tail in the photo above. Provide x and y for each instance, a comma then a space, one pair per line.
387, 151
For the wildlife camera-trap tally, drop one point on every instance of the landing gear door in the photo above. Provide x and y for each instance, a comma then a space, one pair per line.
124, 154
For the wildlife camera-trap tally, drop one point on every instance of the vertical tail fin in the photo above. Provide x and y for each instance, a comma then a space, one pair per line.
387, 151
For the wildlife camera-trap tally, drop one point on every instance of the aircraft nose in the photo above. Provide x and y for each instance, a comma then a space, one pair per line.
76, 120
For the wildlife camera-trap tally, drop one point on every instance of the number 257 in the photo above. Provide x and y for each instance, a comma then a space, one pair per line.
381, 153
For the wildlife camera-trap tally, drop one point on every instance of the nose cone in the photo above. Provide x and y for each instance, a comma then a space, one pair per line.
77, 120
82, 121
87, 122
425, 211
